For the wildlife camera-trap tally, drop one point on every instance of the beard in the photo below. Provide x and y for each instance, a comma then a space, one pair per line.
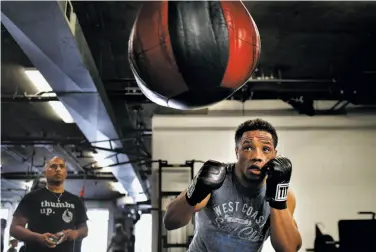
53, 181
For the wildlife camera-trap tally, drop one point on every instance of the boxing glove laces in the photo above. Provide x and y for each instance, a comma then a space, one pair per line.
277, 183
210, 177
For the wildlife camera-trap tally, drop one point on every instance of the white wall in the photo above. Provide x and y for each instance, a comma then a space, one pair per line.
143, 234
333, 158
7, 210
108, 205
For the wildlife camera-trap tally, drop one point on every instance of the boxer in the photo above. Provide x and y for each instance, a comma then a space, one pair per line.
238, 206
55, 217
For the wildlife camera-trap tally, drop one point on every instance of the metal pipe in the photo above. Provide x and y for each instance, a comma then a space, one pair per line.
41, 141
20, 158
28, 98
71, 175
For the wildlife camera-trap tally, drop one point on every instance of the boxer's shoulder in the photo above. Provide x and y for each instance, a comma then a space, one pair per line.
291, 200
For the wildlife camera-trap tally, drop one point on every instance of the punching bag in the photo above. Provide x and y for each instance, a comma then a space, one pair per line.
190, 55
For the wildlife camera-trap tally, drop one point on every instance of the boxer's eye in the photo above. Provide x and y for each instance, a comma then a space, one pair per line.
266, 149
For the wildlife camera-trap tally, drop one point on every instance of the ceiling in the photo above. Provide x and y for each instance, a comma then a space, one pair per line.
314, 51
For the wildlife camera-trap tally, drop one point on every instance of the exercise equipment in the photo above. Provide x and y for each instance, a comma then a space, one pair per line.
189, 55
358, 235
354, 236
323, 241
164, 167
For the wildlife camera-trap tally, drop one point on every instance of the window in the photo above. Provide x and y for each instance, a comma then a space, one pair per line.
5, 215
98, 226
142, 233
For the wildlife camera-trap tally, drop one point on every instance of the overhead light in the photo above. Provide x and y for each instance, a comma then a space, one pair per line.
61, 111
38, 80
42, 85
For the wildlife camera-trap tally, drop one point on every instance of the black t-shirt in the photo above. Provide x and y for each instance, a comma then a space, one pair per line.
46, 214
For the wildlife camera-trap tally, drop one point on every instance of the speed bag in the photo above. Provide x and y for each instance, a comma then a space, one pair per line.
190, 55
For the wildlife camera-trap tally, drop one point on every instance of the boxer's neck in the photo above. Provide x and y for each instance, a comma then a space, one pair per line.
56, 188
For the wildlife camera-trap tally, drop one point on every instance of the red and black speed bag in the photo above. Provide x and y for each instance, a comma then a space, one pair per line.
189, 55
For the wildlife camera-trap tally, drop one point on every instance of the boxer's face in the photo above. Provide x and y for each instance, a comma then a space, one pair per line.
254, 150
56, 171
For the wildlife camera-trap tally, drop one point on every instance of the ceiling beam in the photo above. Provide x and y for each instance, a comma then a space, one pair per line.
19, 157
71, 175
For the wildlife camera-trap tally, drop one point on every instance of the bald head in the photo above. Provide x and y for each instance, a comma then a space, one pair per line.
55, 170
54, 160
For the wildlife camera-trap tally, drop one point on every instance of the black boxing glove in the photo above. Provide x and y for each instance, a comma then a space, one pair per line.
279, 173
210, 177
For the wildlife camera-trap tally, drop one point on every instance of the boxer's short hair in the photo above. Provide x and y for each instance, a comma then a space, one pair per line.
256, 124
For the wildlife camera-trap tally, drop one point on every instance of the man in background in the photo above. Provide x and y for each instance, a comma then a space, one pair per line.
119, 240
13, 245
55, 217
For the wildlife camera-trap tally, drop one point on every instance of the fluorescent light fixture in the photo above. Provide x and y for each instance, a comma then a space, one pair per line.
116, 186
42, 85
38, 80
60, 110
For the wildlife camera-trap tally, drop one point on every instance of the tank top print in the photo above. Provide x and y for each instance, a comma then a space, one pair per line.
234, 220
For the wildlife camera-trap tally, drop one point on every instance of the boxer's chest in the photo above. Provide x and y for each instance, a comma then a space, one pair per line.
239, 215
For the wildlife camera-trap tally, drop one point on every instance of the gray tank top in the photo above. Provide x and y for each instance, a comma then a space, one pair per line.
236, 219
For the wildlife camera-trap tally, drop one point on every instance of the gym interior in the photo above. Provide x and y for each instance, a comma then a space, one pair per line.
67, 90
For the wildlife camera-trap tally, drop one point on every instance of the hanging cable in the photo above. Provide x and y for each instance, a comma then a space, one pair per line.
82, 192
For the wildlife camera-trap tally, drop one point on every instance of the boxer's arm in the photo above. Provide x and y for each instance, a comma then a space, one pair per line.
179, 212
17, 229
284, 233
